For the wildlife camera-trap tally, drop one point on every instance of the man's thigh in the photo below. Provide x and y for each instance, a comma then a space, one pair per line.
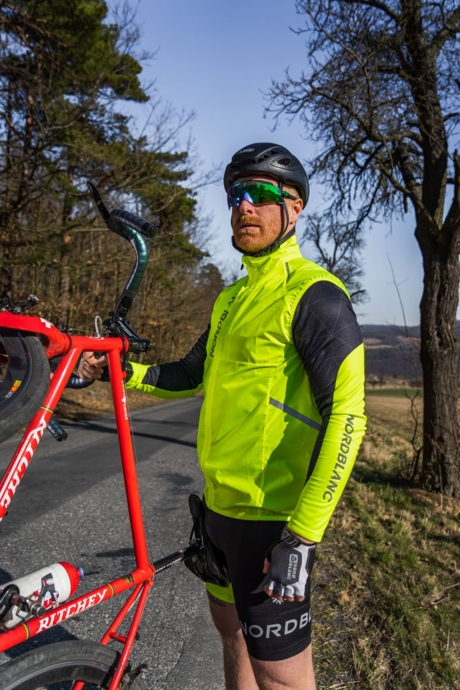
293, 673
273, 630
224, 616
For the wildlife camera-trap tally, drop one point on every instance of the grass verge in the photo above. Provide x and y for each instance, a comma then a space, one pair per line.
395, 392
387, 595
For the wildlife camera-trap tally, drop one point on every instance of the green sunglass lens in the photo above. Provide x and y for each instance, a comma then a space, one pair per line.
253, 192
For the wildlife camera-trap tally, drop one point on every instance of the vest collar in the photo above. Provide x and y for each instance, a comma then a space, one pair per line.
260, 266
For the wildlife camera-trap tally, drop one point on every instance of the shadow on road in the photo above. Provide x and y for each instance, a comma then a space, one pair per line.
137, 434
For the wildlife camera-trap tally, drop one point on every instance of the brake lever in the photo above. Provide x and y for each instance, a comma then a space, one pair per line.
18, 307
102, 208
112, 223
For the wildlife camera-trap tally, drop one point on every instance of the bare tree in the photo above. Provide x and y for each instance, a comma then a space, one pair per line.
381, 96
338, 247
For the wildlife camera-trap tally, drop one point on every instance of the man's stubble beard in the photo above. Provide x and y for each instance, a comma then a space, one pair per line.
256, 239
247, 220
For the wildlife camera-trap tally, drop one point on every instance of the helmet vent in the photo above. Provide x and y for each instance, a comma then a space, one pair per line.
291, 163
244, 163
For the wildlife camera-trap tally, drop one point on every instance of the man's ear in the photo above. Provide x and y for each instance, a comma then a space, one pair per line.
295, 210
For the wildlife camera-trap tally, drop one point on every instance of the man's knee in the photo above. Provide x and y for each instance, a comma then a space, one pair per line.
294, 673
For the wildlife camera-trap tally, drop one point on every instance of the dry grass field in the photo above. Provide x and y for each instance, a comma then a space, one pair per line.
387, 599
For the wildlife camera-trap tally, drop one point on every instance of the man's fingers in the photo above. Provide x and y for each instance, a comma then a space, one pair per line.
274, 590
269, 587
101, 360
279, 591
91, 368
289, 592
84, 376
94, 360
299, 592
88, 374
84, 372
266, 566
88, 358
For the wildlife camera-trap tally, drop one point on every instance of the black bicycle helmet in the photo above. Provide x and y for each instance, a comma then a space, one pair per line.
277, 162
268, 159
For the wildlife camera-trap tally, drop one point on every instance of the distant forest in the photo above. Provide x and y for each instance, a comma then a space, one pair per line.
67, 70
390, 352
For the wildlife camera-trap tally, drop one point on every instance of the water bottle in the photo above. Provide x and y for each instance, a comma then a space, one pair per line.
49, 587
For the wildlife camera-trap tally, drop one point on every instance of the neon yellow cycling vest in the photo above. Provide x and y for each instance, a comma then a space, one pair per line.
259, 421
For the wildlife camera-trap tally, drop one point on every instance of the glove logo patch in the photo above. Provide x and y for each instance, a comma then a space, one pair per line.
293, 566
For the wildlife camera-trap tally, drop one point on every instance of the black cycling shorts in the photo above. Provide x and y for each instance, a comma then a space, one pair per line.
273, 630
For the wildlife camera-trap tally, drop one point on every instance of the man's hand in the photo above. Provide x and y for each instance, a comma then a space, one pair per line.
91, 367
289, 568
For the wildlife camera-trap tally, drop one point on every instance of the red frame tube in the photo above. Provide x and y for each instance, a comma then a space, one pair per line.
128, 460
119, 618
142, 577
131, 634
74, 607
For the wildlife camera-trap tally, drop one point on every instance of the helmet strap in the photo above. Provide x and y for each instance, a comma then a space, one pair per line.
282, 237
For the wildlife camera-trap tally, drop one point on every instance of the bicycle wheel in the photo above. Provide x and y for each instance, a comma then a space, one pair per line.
24, 379
56, 666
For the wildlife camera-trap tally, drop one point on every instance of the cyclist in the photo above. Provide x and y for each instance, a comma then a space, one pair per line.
282, 368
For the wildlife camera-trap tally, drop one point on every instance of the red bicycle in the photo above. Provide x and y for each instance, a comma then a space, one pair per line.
27, 346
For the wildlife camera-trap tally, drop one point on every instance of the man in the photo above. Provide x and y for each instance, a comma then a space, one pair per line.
282, 369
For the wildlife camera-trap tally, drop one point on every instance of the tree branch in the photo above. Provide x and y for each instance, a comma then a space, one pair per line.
450, 29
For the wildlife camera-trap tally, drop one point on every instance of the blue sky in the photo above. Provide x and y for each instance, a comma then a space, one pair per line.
216, 58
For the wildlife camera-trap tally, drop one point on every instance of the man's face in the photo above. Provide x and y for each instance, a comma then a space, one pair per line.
257, 227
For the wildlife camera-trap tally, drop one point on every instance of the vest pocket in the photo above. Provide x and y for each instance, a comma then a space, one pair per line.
260, 351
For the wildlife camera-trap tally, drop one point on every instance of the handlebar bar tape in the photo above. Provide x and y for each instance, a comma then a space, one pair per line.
127, 218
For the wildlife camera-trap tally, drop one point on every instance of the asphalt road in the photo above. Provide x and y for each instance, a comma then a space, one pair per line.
71, 506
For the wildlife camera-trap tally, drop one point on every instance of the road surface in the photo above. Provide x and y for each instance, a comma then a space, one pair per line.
71, 506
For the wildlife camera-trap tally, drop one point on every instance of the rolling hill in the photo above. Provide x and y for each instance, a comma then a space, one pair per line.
391, 353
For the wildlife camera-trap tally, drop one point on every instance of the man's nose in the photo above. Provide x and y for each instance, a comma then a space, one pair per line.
245, 206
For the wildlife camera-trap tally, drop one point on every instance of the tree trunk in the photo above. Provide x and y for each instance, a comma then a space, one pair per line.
64, 286
439, 357
64, 283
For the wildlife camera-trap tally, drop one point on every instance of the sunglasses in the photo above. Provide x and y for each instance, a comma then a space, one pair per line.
255, 193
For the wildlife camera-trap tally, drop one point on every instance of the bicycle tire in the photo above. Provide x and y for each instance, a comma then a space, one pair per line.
23, 360
61, 663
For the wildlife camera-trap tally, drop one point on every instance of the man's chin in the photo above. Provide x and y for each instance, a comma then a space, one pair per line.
248, 243
249, 247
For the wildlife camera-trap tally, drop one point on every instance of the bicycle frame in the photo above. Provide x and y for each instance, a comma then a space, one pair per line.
142, 578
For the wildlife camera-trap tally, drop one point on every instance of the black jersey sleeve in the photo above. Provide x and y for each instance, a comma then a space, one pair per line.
174, 379
325, 331
329, 342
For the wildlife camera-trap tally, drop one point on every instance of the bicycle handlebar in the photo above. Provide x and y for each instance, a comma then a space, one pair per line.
133, 229
119, 219
132, 221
